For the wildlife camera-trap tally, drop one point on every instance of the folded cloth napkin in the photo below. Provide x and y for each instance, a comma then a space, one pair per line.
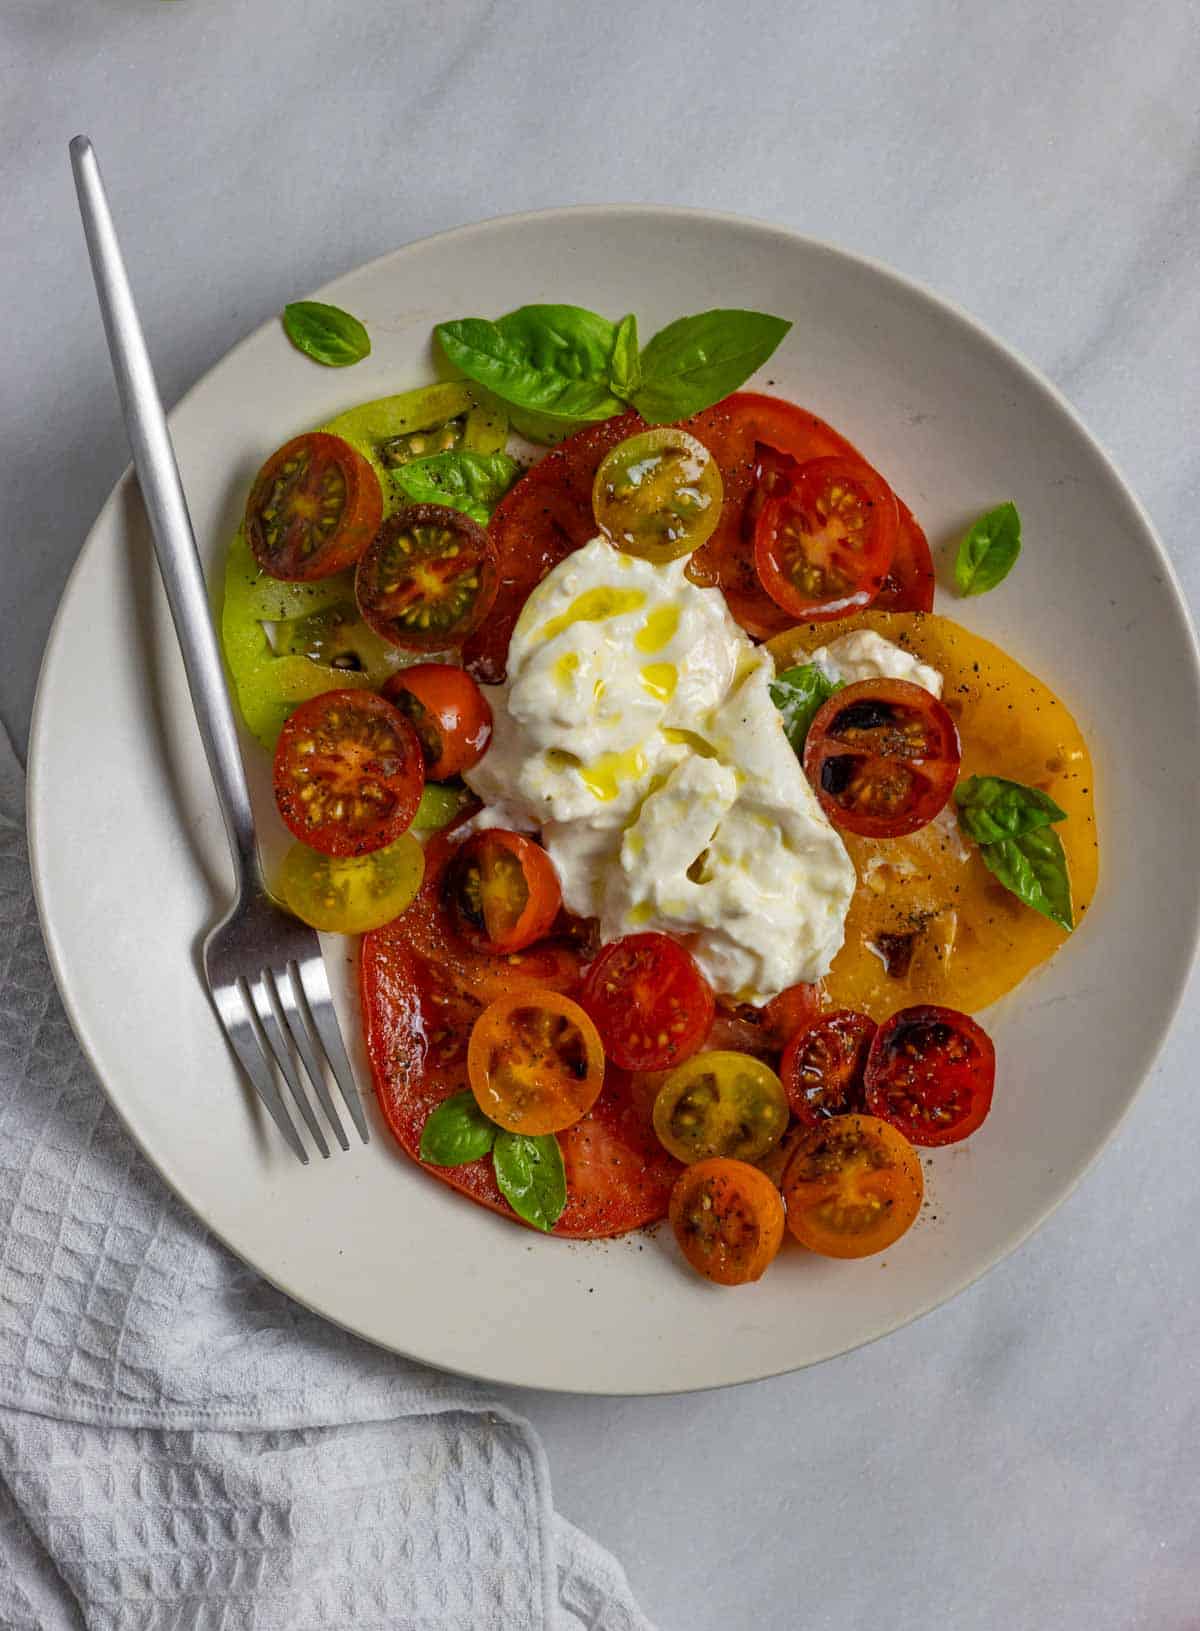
180, 1444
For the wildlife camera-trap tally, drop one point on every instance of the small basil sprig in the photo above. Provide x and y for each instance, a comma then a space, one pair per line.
529, 1171
567, 366
327, 334
989, 551
799, 693
1014, 828
472, 482
456, 1131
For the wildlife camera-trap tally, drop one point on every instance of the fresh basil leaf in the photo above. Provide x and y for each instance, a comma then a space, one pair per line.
327, 334
455, 1132
531, 1176
989, 551
1034, 867
552, 359
473, 482
798, 693
696, 361
625, 369
991, 808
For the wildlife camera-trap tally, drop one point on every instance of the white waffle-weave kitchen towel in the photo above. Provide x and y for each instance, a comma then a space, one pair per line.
181, 1445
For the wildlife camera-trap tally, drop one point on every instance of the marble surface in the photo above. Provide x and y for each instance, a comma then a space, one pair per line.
1026, 1456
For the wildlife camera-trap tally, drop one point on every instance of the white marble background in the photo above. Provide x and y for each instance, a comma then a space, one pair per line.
1030, 1455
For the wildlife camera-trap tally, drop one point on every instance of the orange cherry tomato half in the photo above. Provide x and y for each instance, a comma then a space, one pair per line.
449, 713
502, 891
882, 757
853, 1185
930, 1073
348, 773
822, 1066
428, 578
728, 1219
313, 509
823, 547
651, 1004
535, 1062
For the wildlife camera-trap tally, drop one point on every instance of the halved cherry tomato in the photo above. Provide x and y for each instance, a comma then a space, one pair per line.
651, 1004
822, 1066
882, 757
352, 893
853, 1185
502, 891
728, 1220
428, 579
658, 494
823, 548
535, 1062
449, 712
930, 1073
314, 507
721, 1104
348, 773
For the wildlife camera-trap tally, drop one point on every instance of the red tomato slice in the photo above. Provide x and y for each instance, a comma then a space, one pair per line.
930, 1074
882, 757
651, 1004
314, 507
449, 713
822, 1066
348, 773
502, 890
823, 548
909, 584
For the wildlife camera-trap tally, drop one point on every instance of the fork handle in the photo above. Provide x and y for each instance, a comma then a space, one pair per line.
171, 525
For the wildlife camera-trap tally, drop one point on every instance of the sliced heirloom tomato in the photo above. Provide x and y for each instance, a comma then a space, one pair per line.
658, 494
930, 1073
449, 713
313, 509
823, 548
823, 1064
651, 1004
428, 579
502, 891
742, 1028
882, 757
719, 1103
348, 773
353, 893
535, 1062
853, 1185
728, 1219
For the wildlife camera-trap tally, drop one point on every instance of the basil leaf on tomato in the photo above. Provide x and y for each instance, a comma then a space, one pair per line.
799, 693
327, 334
455, 1132
989, 551
551, 359
531, 1176
695, 361
992, 808
472, 482
1034, 867
625, 369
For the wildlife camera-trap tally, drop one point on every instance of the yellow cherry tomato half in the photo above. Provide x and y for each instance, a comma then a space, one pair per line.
353, 893
535, 1062
721, 1104
658, 494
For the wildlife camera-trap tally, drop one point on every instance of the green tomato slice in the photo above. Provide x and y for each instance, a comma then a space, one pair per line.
351, 894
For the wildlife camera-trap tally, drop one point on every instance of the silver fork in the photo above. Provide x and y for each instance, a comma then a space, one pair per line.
265, 971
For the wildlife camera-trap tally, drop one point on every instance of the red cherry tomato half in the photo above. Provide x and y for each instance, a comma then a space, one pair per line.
651, 1004
314, 507
930, 1073
428, 578
822, 1066
348, 773
502, 891
882, 757
449, 713
823, 548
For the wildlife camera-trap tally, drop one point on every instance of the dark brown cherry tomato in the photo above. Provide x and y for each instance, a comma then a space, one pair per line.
348, 773
728, 1220
823, 548
428, 579
882, 757
449, 713
822, 1066
314, 507
853, 1185
502, 890
651, 1004
930, 1073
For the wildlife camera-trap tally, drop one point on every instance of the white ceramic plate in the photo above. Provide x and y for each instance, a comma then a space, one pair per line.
131, 867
